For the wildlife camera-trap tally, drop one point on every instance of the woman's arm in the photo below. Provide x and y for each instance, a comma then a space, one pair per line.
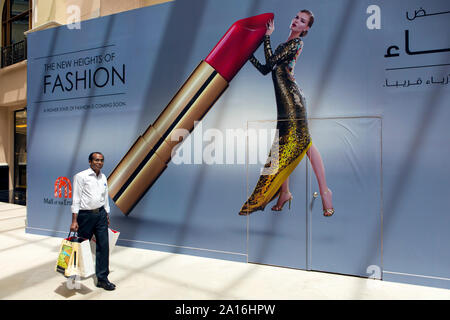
288, 53
264, 69
260, 67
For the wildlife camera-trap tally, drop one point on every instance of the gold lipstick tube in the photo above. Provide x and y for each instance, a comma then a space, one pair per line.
148, 157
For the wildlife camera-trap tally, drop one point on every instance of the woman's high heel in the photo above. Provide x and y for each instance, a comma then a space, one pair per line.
279, 208
330, 211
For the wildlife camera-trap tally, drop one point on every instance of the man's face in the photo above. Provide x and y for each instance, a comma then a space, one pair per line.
97, 162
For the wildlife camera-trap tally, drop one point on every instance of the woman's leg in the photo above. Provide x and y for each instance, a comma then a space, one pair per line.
319, 170
285, 195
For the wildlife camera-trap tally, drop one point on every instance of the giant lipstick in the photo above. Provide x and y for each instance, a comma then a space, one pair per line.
148, 157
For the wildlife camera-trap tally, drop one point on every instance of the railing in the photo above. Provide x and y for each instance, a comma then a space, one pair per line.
14, 53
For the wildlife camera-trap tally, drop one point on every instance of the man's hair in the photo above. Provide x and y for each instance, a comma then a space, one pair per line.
91, 156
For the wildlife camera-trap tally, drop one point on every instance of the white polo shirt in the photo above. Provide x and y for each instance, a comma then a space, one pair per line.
89, 191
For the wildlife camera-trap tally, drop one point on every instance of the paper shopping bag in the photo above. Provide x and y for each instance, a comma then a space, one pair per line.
113, 235
68, 258
87, 267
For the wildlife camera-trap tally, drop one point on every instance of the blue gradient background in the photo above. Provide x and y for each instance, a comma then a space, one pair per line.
193, 209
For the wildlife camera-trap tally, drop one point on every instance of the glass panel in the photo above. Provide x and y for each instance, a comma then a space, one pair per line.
275, 237
19, 6
4, 33
20, 157
18, 27
349, 242
4, 183
4, 12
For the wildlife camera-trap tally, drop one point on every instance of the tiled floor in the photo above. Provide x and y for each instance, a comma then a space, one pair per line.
27, 264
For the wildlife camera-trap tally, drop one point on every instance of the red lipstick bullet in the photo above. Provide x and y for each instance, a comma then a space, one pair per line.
237, 45
148, 157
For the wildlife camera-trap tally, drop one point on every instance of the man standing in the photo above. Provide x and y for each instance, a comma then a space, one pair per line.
90, 214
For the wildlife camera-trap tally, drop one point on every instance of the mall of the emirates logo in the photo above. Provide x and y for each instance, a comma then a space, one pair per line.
62, 192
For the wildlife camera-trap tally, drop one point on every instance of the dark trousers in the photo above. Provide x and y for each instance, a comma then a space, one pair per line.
90, 223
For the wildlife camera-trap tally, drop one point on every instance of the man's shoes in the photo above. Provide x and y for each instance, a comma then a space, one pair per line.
105, 284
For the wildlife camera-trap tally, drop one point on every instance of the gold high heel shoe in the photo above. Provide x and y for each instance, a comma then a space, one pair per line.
327, 212
252, 204
279, 208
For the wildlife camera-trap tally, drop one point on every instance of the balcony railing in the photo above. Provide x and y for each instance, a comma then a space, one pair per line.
14, 53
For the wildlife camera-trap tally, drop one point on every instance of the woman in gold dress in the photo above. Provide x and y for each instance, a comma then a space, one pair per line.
293, 140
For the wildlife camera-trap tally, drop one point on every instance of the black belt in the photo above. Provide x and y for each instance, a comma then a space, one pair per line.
92, 211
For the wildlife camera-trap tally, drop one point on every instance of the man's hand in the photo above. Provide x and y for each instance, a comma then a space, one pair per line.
74, 226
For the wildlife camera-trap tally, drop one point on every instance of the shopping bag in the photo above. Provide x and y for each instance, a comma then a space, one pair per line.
68, 258
113, 235
86, 261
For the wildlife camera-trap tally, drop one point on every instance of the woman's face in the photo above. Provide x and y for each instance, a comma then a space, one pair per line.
300, 22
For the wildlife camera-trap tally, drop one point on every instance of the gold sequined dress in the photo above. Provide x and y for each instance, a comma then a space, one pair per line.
293, 139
